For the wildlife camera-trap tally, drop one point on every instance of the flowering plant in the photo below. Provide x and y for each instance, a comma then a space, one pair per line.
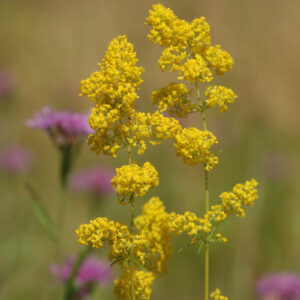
143, 248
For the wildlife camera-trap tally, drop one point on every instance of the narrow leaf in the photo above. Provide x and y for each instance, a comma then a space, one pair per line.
200, 247
40, 212
139, 265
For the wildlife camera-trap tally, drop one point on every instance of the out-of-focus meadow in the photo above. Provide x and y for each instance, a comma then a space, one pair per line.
49, 46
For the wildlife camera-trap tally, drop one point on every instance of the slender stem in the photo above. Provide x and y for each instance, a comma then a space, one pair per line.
130, 260
206, 266
204, 120
206, 258
131, 200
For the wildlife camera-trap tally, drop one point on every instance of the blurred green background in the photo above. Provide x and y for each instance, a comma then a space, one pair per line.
49, 46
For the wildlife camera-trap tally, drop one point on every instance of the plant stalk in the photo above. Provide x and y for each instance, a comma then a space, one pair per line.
206, 254
132, 294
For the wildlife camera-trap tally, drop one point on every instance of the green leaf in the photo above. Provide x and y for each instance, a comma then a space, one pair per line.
40, 212
200, 247
117, 259
139, 265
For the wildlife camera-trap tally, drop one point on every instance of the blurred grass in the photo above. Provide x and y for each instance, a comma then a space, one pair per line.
51, 45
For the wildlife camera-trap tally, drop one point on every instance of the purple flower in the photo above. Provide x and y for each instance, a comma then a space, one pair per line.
65, 127
92, 272
6, 83
15, 159
96, 180
280, 286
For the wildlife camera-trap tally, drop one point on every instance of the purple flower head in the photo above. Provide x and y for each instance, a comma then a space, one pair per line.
65, 127
6, 83
96, 180
280, 286
92, 272
15, 159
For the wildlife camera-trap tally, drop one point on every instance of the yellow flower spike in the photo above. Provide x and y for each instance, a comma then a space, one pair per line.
118, 76
134, 180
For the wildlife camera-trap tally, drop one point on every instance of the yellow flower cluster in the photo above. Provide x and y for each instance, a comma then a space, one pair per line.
153, 128
219, 59
188, 51
187, 45
242, 194
151, 246
133, 180
114, 120
194, 147
154, 226
216, 295
173, 98
142, 284
113, 89
100, 230
116, 82
219, 95
231, 203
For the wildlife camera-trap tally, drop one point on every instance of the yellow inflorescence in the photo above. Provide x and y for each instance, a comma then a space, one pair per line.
113, 89
173, 98
188, 48
134, 180
219, 95
151, 245
118, 78
142, 284
242, 194
143, 252
194, 147
114, 120
219, 59
153, 128
195, 69
216, 295
100, 230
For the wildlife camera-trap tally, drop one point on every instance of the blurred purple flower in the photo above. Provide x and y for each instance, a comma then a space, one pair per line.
280, 286
15, 159
96, 180
92, 272
6, 83
65, 127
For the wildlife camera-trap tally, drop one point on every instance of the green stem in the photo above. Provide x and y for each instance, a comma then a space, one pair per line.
206, 266
206, 254
132, 294
130, 262
70, 288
